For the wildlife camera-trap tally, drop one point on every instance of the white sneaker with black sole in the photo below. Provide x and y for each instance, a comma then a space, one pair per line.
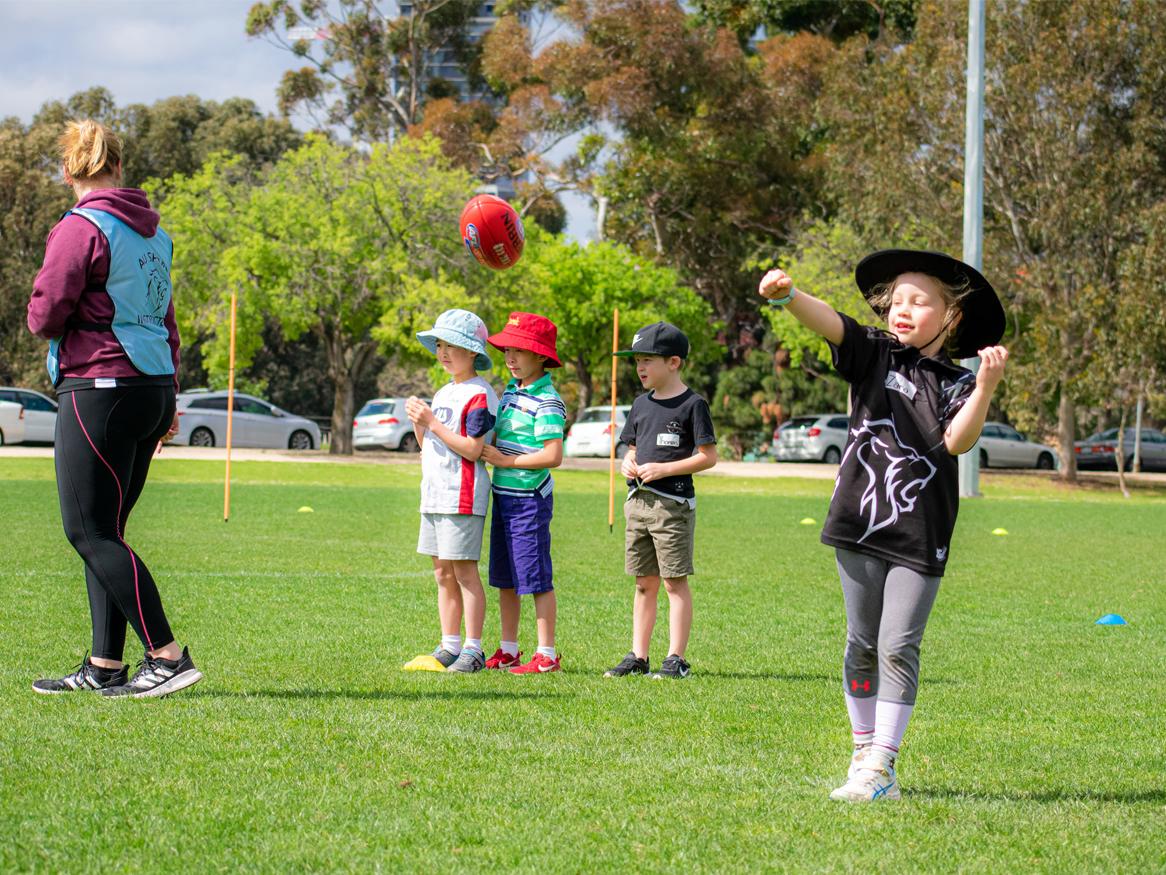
159, 677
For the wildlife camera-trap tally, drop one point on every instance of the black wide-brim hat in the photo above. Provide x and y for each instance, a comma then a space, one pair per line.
982, 323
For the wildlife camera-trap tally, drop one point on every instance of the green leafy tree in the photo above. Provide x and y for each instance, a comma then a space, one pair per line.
357, 248
578, 287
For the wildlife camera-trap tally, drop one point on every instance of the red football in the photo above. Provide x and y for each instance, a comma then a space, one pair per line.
492, 231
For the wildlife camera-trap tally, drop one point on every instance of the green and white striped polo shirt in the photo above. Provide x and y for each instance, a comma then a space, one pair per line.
528, 417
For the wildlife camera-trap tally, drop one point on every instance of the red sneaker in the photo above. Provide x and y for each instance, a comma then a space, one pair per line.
502, 659
539, 665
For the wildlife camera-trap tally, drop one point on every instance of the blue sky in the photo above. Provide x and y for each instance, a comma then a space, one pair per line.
144, 50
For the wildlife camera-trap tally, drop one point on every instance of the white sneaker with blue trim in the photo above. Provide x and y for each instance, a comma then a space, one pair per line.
873, 781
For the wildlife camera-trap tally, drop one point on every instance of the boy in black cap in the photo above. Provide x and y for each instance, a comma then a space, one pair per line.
669, 432
895, 500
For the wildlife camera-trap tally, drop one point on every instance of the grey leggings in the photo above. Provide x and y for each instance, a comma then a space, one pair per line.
886, 612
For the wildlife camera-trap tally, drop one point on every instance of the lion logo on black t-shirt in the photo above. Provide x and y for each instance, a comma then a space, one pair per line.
896, 473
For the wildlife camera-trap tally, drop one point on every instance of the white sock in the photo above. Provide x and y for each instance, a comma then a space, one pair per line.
452, 643
474, 644
510, 648
890, 723
862, 718
548, 652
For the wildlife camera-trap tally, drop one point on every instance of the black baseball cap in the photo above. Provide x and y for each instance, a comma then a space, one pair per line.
659, 338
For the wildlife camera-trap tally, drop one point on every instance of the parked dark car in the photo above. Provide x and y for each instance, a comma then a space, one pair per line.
1099, 451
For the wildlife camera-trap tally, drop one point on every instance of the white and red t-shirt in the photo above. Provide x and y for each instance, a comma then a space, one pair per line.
449, 483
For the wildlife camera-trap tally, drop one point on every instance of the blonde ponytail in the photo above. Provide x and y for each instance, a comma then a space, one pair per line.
89, 149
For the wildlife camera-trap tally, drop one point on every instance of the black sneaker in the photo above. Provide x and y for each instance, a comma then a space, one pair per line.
159, 677
673, 667
631, 664
88, 677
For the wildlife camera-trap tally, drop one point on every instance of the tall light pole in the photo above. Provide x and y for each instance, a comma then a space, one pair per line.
969, 462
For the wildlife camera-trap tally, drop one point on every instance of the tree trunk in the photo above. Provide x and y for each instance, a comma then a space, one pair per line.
584, 378
1119, 453
342, 410
1066, 434
1137, 469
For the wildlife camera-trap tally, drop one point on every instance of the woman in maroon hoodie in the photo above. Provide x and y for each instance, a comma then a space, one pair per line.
103, 301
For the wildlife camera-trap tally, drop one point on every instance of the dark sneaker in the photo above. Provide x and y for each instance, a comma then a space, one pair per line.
631, 664
469, 661
87, 676
159, 677
673, 667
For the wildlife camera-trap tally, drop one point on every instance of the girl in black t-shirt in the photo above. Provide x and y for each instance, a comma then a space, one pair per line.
895, 500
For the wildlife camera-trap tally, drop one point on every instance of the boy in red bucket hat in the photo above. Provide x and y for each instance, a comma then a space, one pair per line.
528, 441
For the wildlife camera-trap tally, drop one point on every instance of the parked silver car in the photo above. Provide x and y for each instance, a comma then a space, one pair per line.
1100, 450
591, 433
11, 423
202, 422
381, 424
1002, 446
40, 413
820, 437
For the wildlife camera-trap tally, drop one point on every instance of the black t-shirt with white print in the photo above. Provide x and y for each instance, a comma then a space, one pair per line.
896, 496
668, 430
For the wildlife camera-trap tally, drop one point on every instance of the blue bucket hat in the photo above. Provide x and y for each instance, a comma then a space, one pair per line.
459, 328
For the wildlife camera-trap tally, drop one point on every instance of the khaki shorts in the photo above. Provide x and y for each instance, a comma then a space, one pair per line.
659, 537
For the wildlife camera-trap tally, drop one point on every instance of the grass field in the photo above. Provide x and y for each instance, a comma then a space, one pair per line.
1037, 744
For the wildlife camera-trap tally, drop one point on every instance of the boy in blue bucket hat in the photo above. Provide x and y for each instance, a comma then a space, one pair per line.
455, 488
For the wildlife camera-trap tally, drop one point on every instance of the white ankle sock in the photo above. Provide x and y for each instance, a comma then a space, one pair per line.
474, 644
890, 723
510, 648
548, 652
452, 643
862, 718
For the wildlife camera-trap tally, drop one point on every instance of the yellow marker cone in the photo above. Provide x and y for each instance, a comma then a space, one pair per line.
809, 521
425, 662
999, 531
305, 509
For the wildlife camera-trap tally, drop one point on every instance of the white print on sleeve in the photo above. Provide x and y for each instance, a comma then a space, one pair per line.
894, 486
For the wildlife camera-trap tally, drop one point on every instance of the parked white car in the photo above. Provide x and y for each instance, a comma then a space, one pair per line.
1002, 446
591, 433
381, 424
40, 413
11, 423
819, 437
202, 422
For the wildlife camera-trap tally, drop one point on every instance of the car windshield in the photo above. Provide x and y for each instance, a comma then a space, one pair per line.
800, 422
376, 408
596, 415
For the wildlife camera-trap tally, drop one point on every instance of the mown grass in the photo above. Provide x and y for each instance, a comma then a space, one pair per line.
1037, 743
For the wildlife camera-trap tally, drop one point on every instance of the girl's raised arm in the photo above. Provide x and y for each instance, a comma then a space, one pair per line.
816, 315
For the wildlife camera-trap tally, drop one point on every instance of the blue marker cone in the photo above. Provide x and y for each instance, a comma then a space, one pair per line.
1111, 620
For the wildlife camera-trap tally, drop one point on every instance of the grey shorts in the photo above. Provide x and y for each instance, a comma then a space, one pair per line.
451, 535
659, 538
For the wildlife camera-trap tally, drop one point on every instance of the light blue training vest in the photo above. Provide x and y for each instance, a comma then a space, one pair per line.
139, 285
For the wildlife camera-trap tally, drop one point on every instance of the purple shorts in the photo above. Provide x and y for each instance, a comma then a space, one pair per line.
520, 543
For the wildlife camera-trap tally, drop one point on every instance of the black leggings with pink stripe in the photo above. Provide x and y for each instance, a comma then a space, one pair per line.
105, 439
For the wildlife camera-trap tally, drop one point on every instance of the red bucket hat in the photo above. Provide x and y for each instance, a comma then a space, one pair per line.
529, 331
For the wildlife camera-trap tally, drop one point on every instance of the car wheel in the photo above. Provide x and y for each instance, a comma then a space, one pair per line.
202, 437
983, 458
408, 444
299, 440
832, 456
1045, 462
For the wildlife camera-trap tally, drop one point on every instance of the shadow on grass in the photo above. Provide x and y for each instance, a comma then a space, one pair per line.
410, 695
795, 678
1157, 797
